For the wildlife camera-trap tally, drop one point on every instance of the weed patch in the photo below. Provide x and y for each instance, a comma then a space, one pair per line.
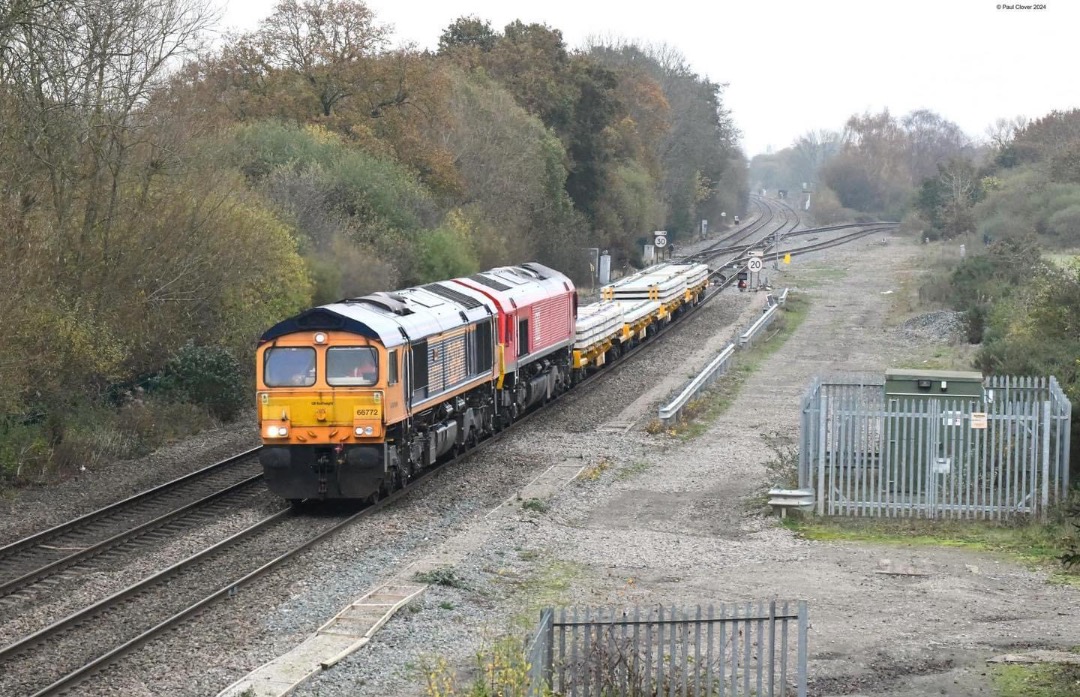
1041, 680
632, 470
444, 576
535, 505
782, 469
501, 669
1035, 545
548, 585
593, 472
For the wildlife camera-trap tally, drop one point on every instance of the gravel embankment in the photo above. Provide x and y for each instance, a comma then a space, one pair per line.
946, 326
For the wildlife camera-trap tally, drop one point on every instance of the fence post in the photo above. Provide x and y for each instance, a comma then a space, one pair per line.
549, 646
1045, 460
804, 427
1068, 437
822, 445
803, 626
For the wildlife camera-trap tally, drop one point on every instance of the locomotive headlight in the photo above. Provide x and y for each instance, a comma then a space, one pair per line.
277, 432
359, 430
367, 431
320, 338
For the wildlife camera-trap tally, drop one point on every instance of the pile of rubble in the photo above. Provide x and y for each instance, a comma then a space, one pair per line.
946, 326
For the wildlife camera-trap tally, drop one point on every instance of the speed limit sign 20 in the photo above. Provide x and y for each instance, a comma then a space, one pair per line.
754, 264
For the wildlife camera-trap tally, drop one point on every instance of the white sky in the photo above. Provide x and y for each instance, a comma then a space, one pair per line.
794, 65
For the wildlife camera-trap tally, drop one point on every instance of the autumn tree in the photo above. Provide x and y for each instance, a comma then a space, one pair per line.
77, 74
811, 151
324, 44
947, 200
931, 141
466, 41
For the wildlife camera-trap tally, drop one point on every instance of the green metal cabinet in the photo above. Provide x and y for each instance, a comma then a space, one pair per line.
910, 383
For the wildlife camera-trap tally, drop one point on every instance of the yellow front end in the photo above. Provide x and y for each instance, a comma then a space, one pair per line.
324, 401
330, 417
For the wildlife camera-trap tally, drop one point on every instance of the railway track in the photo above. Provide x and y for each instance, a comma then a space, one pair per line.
43, 554
57, 657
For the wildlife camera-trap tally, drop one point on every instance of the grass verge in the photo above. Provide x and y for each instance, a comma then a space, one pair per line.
1035, 545
90, 436
811, 276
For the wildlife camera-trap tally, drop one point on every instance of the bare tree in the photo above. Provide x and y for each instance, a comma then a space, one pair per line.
79, 72
812, 150
1003, 131
932, 140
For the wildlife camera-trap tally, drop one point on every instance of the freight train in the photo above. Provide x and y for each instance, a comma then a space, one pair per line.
357, 397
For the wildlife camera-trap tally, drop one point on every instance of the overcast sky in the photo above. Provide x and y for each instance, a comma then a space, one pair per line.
792, 66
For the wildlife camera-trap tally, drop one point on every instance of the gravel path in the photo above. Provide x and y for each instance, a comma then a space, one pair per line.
665, 520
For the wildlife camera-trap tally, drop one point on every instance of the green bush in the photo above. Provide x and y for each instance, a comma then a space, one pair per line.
24, 450
209, 376
445, 253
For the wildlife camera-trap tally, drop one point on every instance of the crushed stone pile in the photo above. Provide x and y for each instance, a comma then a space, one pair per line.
943, 325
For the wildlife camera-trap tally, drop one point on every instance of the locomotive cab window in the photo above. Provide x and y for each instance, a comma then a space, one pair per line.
523, 337
391, 369
289, 367
351, 365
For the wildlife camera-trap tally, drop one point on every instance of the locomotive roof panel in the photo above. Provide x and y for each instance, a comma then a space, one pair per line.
410, 314
516, 286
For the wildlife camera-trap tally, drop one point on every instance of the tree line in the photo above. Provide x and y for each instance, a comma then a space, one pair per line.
164, 201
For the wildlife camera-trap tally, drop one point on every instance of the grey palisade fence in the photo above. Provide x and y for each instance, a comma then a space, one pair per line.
996, 456
727, 650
